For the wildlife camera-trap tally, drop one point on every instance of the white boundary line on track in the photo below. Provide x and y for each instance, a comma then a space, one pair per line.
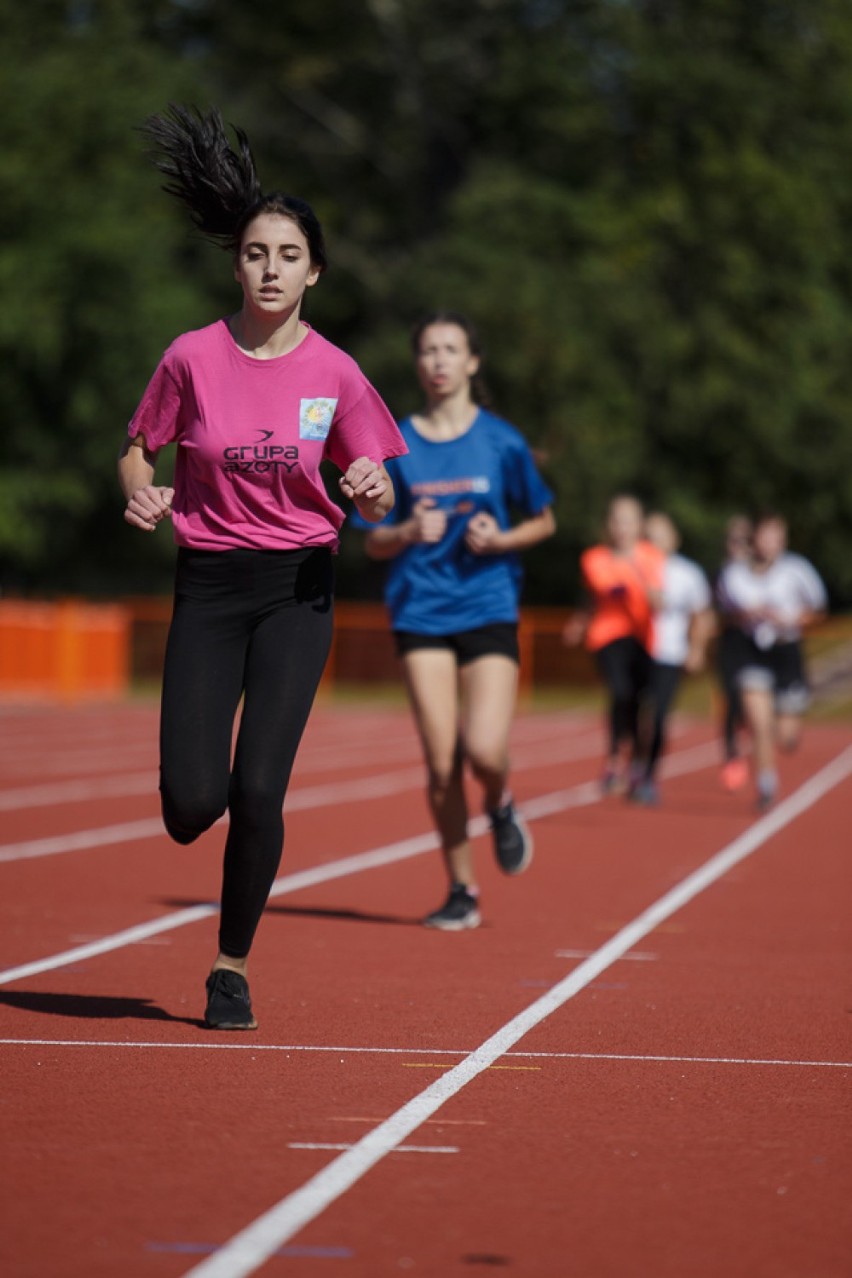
181, 918
307, 1049
400, 1149
244, 1253
300, 799
582, 795
561, 745
118, 786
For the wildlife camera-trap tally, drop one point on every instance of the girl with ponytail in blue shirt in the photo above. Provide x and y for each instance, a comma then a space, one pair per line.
468, 498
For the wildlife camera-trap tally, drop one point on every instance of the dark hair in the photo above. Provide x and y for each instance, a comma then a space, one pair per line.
626, 496
217, 184
478, 388
769, 517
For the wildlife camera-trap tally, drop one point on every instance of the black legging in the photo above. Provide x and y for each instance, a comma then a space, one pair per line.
728, 666
662, 686
624, 665
257, 624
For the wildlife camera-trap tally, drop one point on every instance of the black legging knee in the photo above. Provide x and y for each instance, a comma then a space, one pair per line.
257, 625
624, 666
662, 685
728, 663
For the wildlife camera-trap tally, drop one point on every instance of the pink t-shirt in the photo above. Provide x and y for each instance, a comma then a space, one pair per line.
251, 434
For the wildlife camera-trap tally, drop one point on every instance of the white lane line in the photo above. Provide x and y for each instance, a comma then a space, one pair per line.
692, 759
300, 798
387, 738
639, 1058
637, 956
110, 787
645, 1057
71, 763
152, 827
251, 1247
129, 936
81, 840
355, 864
545, 805
400, 1149
181, 918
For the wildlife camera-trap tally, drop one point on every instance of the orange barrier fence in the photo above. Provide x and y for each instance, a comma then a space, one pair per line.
362, 649
72, 650
64, 651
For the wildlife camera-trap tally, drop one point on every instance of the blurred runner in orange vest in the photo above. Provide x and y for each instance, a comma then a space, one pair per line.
623, 577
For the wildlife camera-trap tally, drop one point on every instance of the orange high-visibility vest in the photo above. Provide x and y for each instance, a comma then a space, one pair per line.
619, 586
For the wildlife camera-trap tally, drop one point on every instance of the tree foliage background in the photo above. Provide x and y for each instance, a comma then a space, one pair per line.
646, 206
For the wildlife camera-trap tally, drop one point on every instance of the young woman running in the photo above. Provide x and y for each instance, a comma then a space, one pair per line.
452, 591
254, 402
771, 599
623, 577
683, 625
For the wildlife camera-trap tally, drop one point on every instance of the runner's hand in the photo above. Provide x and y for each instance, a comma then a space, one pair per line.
428, 524
363, 478
148, 506
483, 535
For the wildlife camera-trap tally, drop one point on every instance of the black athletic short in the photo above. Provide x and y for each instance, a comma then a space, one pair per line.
779, 670
498, 639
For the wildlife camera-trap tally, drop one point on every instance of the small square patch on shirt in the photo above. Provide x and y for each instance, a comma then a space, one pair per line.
315, 417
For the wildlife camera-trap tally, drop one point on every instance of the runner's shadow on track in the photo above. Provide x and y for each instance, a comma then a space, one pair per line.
316, 912
92, 1007
344, 915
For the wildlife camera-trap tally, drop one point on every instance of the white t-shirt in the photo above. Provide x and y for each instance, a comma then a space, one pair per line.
686, 592
791, 587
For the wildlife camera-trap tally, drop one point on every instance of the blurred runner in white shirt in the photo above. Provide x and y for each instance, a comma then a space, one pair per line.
683, 625
771, 599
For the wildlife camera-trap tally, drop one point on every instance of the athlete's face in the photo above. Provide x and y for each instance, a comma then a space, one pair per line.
770, 540
624, 523
738, 538
661, 532
445, 364
274, 265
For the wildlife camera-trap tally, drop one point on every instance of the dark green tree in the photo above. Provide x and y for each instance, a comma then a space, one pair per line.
95, 281
643, 203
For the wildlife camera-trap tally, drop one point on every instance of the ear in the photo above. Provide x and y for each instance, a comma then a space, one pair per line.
472, 366
313, 275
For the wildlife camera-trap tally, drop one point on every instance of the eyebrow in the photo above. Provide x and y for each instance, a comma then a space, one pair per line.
256, 244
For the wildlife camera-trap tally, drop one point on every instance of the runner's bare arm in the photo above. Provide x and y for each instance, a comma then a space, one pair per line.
147, 504
486, 537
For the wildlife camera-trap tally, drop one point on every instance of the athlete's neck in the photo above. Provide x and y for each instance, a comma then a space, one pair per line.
448, 417
267, 339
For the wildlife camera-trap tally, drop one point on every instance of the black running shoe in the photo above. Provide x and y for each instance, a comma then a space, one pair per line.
645, 794
513, 845
459, 911
228, 1002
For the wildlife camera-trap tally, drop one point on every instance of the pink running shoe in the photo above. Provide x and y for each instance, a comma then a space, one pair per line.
734, 775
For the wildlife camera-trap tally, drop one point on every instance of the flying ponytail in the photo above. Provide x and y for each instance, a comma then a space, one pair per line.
217, 184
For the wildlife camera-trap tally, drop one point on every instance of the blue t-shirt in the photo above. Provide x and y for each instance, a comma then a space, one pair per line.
442, 588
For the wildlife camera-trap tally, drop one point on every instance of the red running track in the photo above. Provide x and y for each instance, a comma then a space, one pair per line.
639, 1067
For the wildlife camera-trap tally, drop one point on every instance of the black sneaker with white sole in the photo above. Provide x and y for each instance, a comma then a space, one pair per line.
228, 1002
513, 844
459, 911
